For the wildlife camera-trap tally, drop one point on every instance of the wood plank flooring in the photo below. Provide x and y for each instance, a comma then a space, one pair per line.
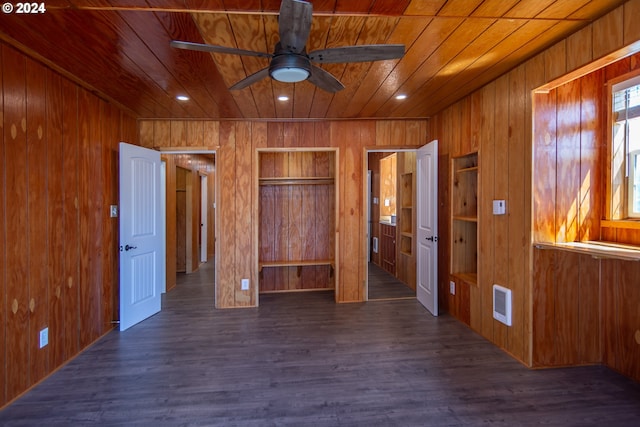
385, 363
383, 285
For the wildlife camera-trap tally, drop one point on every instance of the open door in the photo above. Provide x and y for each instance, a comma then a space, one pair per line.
141, 234
427, 224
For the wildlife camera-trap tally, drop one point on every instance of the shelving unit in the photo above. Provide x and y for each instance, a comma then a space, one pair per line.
297, 219
406, 214
464, 218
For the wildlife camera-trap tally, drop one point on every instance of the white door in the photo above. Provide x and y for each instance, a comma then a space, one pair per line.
203, 218
141, 234
427, 219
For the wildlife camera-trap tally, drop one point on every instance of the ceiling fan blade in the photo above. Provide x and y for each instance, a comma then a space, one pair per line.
217, 49
360, 53
294, 24
324, 80
249, 80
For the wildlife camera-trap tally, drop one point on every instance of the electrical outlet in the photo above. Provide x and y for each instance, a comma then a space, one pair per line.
244, 284
452, 287
44, 337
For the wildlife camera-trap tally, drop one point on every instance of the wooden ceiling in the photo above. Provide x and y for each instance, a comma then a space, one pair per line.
120, 49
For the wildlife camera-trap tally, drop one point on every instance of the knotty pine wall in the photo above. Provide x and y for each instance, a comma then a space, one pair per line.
236, 172
497, 121
58, 245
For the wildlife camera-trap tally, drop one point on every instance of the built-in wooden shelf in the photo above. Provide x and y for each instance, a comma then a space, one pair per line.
469, 169
293, 263
464, 215
290, 180
470, 278
465, 218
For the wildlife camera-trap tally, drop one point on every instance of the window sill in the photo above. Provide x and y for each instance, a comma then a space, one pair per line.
597, 249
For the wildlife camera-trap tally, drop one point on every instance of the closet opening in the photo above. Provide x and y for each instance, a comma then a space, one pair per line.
297, 227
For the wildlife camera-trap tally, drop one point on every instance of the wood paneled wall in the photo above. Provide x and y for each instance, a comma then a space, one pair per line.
621, 316
58, 245
566, 309
571, 157
497, 121
585, 311
578, 301
236, 143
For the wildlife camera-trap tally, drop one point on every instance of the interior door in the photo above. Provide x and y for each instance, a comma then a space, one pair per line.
427, 225
141, 234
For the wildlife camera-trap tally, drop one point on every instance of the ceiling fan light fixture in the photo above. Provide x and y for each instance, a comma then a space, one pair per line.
290, 68
290, 74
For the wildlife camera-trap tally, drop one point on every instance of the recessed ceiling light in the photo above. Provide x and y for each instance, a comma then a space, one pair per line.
182, 98
283, 98
401, 96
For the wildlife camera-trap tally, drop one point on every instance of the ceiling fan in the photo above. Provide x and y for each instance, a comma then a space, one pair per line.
290, 61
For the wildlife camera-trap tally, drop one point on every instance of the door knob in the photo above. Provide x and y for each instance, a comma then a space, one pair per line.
126, 248
432, 238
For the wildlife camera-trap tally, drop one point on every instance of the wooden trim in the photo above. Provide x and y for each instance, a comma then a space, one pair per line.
624, 224
590, 67
295, 149
186, 150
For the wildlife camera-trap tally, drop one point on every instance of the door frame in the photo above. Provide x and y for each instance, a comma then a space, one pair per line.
204, 209
214, 202
367, 208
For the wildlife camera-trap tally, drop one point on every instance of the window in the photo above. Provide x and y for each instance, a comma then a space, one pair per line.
625, 149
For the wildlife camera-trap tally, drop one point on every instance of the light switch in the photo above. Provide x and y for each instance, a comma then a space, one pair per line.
499, 207
113, 211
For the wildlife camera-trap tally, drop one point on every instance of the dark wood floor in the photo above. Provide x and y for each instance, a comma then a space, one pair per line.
302, 360
383, 285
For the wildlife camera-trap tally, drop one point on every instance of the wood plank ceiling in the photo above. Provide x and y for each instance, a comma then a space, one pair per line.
120, 49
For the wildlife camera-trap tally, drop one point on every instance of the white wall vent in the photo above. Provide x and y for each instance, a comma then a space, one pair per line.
502, 304
375, 245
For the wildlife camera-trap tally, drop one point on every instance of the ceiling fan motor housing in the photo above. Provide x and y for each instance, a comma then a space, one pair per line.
290, 68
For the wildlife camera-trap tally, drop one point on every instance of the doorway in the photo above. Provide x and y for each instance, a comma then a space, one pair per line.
190, 182
391, 266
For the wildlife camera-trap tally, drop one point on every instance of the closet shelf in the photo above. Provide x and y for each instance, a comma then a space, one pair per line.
292, 180
469, 169
467, 218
